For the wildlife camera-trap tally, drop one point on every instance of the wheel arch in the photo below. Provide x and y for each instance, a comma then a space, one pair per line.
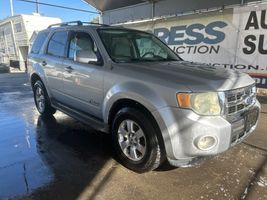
132, 91
130, 103
123, 103
35, 77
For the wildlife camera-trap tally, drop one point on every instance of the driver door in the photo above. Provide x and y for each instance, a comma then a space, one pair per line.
82, 82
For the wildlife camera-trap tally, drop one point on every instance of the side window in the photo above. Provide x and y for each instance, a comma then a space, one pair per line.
38, 43
56, 45
81, 41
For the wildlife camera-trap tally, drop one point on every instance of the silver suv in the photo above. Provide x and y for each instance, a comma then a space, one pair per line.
129, 83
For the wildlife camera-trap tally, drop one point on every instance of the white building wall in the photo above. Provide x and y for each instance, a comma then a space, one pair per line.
7, 46
15, 34
36, 23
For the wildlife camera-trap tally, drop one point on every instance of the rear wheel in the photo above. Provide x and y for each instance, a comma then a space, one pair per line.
41, 100
135, 141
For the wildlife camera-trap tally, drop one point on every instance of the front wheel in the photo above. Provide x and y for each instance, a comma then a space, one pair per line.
41, 100
135, 141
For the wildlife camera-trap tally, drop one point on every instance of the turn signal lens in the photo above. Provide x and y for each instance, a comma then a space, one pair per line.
184, 100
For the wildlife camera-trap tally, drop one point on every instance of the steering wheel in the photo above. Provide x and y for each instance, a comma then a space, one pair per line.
148, 53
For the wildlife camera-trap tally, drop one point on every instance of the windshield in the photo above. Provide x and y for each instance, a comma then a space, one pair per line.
135, 46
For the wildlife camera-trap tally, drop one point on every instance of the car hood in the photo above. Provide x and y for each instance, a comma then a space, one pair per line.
195, 76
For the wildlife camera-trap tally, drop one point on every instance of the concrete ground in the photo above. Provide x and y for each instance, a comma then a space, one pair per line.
4, 68
61, 158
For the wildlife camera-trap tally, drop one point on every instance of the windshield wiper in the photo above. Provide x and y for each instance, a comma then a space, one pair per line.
147, 60
169, 59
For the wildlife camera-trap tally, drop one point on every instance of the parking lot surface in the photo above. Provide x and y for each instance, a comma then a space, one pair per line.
60, 158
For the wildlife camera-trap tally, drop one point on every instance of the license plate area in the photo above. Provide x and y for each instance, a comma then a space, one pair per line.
250, 118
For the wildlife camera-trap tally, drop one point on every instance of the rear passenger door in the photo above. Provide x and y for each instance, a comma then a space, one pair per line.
53, 63
83, 82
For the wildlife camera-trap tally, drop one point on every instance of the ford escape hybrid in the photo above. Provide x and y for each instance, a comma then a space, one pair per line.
129, 83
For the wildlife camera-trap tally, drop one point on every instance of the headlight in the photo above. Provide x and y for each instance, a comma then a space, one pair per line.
202, 103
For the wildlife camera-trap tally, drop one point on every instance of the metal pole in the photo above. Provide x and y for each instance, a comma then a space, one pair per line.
153, 10
101, 18
14, 40
11, 7
152, 14
37, 6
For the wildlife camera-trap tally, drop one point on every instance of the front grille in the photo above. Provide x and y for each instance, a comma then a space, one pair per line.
239, 99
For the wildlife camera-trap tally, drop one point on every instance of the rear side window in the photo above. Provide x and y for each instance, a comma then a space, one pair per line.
56, 45
38, 43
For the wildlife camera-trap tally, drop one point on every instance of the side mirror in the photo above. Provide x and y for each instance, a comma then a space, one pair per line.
86, 57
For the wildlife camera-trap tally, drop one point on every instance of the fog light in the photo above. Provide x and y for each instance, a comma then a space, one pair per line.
206, 143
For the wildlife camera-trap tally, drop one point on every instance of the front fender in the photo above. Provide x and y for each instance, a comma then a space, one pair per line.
138, 92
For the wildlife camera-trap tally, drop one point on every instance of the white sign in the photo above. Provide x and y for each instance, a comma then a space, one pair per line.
233, 39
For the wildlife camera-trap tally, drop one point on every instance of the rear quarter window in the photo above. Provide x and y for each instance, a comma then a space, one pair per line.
38, 42
57, 44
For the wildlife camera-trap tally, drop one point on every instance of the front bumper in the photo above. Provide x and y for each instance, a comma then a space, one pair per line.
181, 128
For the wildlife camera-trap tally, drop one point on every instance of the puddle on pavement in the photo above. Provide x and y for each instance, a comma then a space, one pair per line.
37, 153
20, 162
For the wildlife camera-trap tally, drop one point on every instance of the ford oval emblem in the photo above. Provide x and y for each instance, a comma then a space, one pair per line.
248, 101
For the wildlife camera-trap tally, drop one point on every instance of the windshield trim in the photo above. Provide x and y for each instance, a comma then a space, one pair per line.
141, 32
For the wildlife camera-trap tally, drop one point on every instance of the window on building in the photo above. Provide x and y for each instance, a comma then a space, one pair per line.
2, 33
18, 27
56, 45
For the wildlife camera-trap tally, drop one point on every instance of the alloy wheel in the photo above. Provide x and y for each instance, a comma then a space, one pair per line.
132, 140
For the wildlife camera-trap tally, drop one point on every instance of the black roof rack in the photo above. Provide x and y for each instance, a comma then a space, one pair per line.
75, 23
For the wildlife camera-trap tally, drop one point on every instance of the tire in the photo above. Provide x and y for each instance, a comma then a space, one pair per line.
136, 148
41, 99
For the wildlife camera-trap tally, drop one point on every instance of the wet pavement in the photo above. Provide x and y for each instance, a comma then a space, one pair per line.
60, 158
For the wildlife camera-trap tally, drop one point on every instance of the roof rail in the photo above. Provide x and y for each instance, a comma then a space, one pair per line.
75, 23
93, 23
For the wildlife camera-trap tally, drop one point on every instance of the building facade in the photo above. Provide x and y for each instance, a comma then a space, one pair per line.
15, 35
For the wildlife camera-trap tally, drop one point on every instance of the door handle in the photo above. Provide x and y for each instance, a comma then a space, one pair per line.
68, 69
44, 63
